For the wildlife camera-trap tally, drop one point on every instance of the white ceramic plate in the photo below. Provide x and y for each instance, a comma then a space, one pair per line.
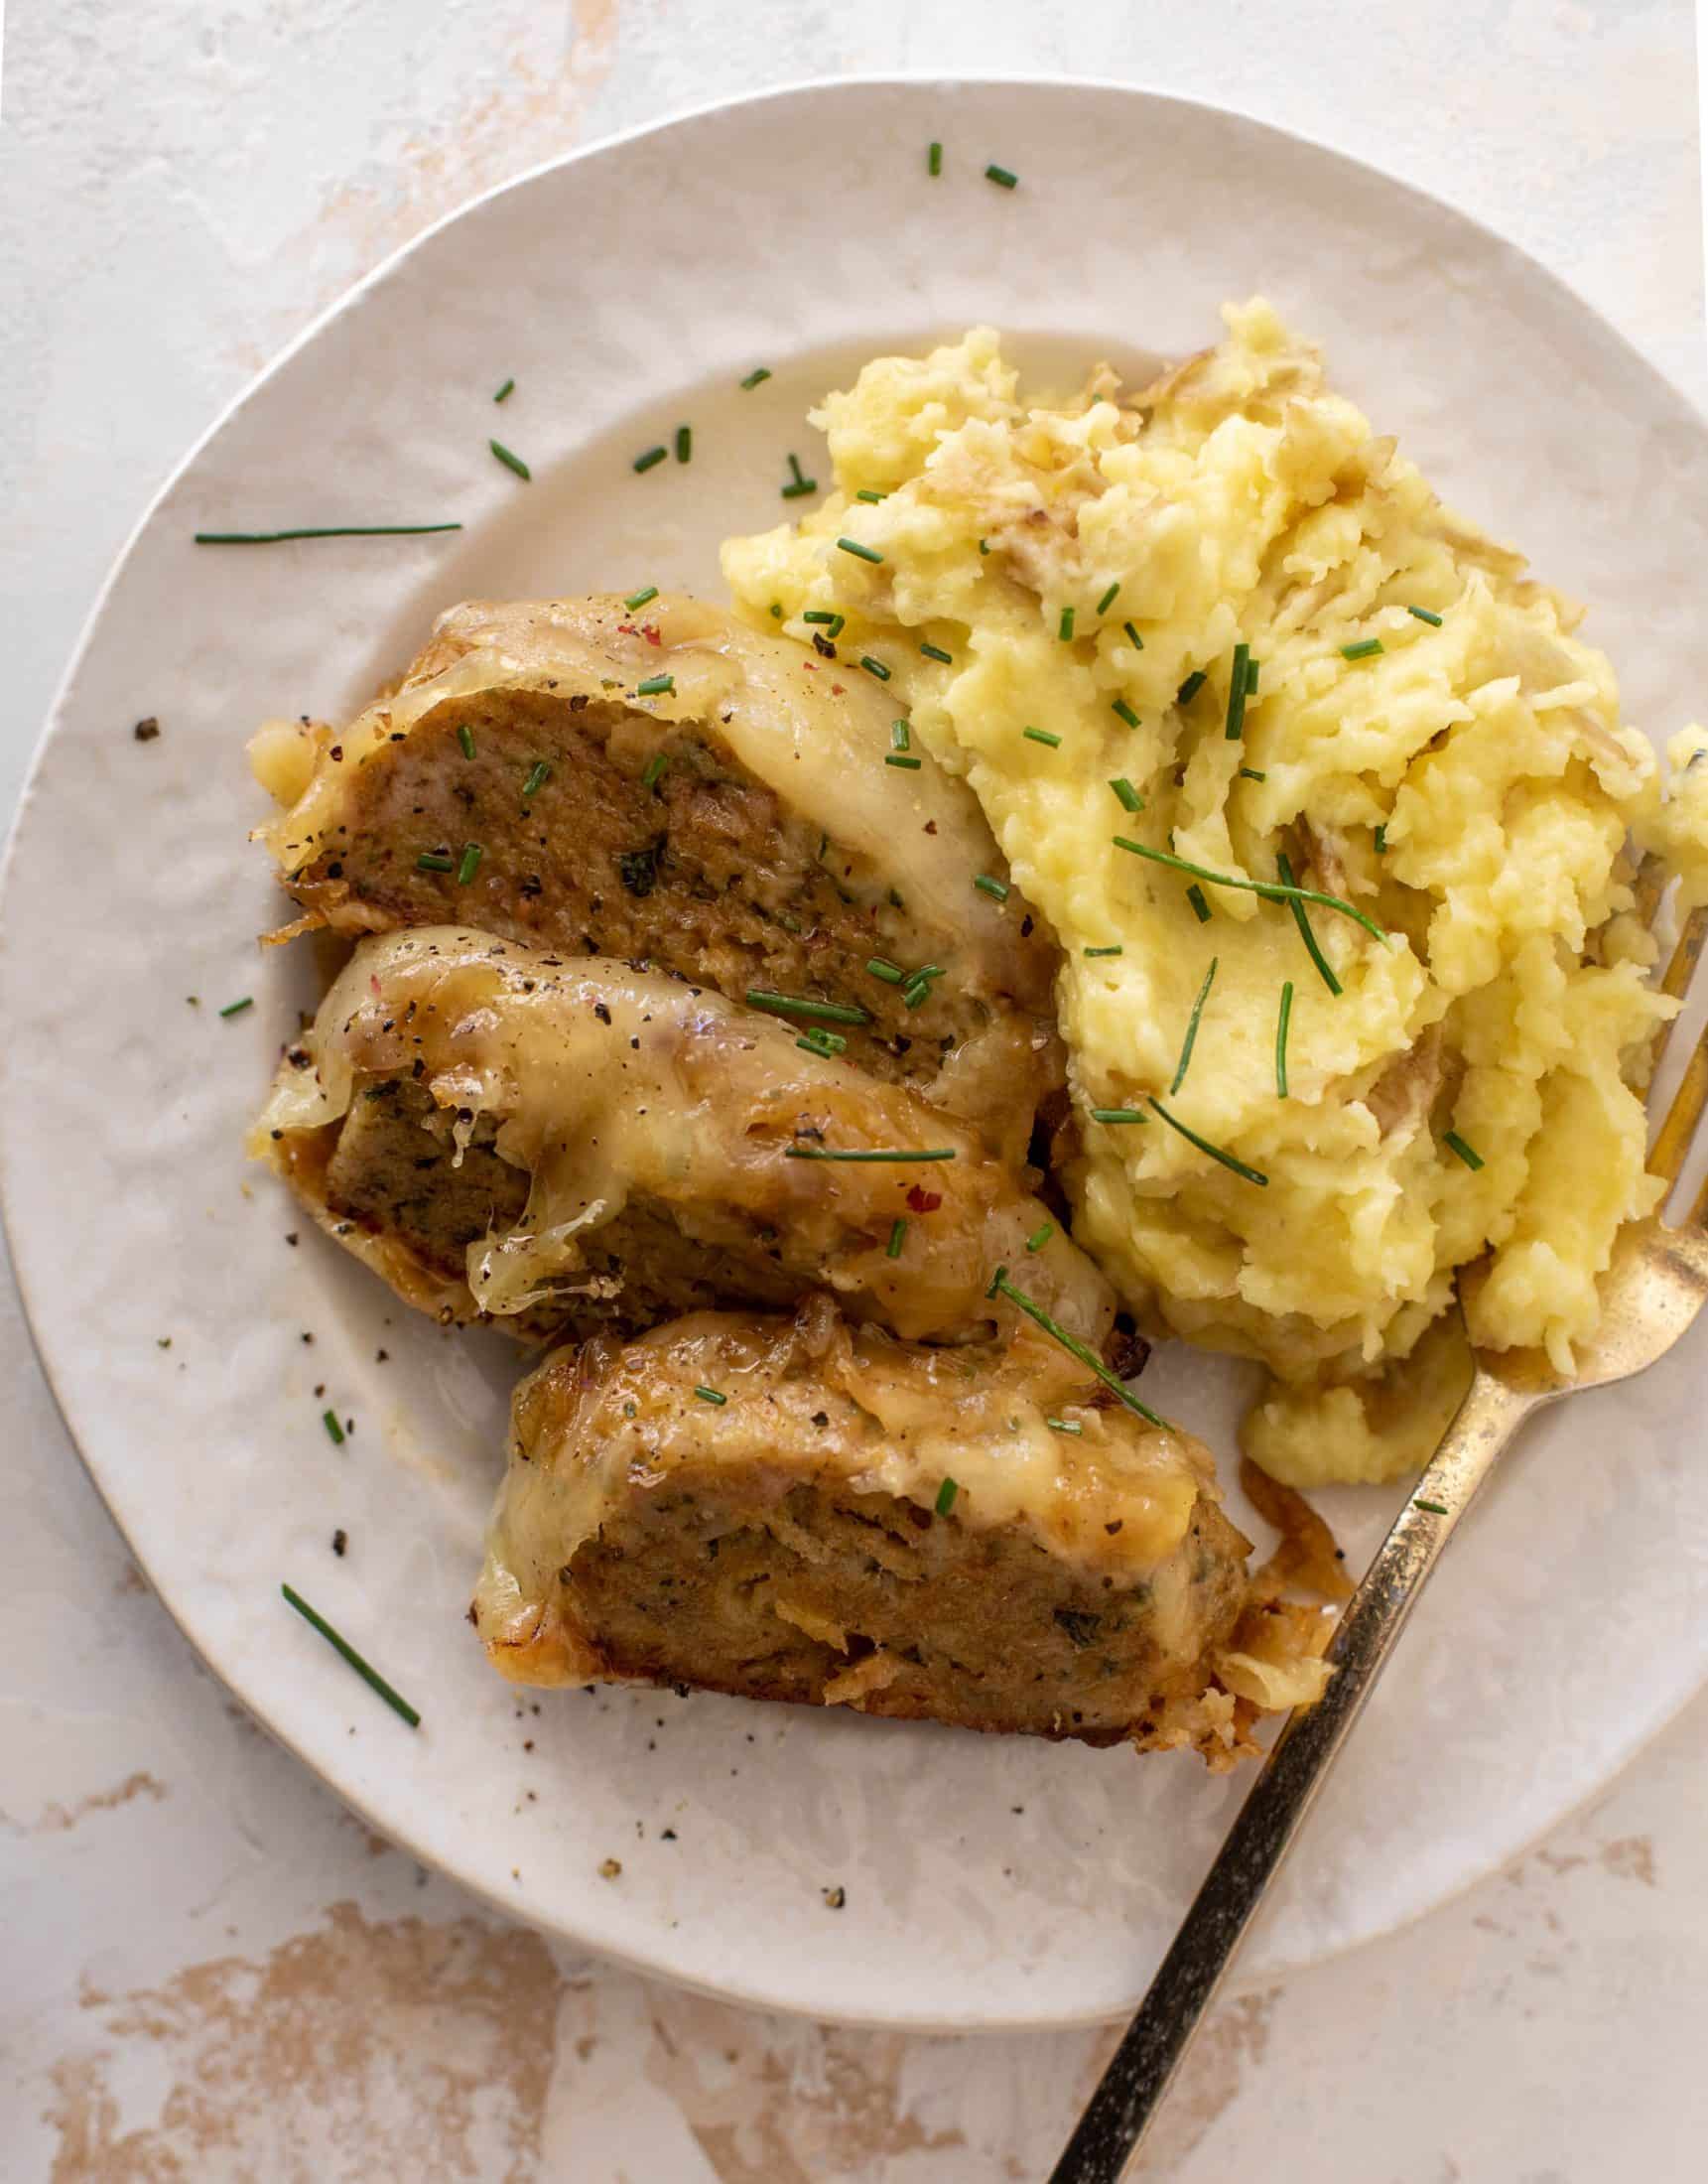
987, 1882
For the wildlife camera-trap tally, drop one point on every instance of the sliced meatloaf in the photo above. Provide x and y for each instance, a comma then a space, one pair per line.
803, 1509
663, 784
569, 1145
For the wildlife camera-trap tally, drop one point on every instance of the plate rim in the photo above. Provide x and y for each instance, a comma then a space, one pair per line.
736, 1990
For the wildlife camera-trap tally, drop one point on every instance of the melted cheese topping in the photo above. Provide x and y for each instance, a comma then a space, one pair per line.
853, 1411
814, 731
609, 1083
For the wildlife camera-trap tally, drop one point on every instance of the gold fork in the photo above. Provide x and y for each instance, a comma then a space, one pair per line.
1653, 1288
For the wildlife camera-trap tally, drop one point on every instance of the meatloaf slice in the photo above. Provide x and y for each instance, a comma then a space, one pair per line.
667, 785
571, 1145
796, 1508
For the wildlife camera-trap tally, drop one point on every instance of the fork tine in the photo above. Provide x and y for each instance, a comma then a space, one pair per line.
1679, 971
1672, 1140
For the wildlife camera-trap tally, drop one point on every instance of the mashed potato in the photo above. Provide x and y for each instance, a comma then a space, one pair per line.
1063, 599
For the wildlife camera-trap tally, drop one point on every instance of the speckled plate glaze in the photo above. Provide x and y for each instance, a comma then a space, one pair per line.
987, 1882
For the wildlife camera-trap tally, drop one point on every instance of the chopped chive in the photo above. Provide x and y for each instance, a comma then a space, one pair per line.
1064, 1426
684, 442
1001, 1286
776, 611
1381, 839
711, 1394
1041, 1235
1116, 1115
1312, 949
236, 1007
1456, 1143
1190, 688
892, 974
1365, 649
1251, 667
539, 773
899, 759
465, 737
755, 377
1281, 1023
1192, 1021
1001, 176
469, 863
1108, 598
875, 667
987, 885
936, 652
824, 1152
795, 465
1424, 614
984, 545
323, 530
1236, 689
1042, 736
505, 392
510, 461
1283, 891
897, 1237
859, 552
1435, 1509
946, 1494
833, 624
1251, 773
899, 738
650, 459
656, 686
826, 1045
655, 771
341, 1646
1132, 636
1215, 1152
1200, 905
916, 993
867, 495
1124, 712
1113, 951
934, 158
1065, 628
637, 600
1128, 797
330, 1419
796, 1004
800, 488
435, 861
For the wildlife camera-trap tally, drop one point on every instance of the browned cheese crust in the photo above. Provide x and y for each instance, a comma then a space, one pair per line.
565, 1146
741, 828
795, 1539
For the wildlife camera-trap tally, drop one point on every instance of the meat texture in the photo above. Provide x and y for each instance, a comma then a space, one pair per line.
565, 1146
804, 1509
665, 786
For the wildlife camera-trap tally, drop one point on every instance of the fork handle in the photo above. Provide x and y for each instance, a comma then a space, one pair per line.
1139, 2074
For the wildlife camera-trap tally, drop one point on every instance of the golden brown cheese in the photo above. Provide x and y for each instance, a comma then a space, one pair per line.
666, 784
804, 1509
617, 1094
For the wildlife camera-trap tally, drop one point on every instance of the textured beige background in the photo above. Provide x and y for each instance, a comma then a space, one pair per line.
208, 1971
